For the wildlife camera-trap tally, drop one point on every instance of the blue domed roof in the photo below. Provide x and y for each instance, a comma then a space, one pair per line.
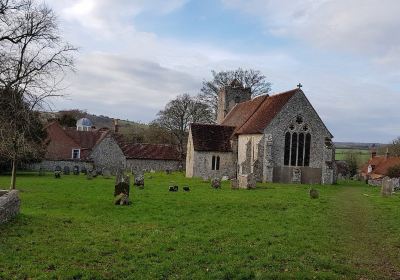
84, 122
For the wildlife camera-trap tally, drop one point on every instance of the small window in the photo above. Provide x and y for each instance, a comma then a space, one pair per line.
215, 162
76, 154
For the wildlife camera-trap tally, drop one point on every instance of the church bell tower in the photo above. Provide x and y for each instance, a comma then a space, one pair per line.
229, 96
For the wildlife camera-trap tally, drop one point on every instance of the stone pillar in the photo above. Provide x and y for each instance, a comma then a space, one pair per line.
268, 164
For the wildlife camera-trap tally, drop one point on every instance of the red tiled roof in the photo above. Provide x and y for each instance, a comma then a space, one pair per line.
62, 141
253, 116
209, 137
382, 164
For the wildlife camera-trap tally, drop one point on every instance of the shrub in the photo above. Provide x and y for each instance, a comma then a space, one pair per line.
394, 171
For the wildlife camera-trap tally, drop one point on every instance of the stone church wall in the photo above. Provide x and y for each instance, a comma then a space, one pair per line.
202, 165
50, 165
298, 105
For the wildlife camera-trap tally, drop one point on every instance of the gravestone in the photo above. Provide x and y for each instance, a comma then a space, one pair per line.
106, 173
84, 170
90, 174
247, 181
76, 170
57, 174
168, 171
41, 171
121, 190
387, 187
224, 178
58, 168
216, 183
67, 171
296, 178
139, 181
180, 168
234, 184
186, 189
314, 194
173, 188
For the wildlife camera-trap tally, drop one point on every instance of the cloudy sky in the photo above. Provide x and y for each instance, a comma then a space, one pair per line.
135, 55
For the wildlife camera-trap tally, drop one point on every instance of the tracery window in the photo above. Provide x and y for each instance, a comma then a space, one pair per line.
297, 144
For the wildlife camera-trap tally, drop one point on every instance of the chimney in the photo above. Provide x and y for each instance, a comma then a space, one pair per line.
387, 153
116, 125
373, 151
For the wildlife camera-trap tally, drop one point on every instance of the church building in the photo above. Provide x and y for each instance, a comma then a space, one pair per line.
277, 138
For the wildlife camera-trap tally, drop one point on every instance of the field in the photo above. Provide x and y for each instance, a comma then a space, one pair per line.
363, 155
69, 229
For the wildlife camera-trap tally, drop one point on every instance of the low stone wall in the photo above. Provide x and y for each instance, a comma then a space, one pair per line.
9, 205
50, 165
157, 165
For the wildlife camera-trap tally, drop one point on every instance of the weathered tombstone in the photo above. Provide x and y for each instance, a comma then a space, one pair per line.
76, 170
121, 190
84, 170
234, 184
296, 178
224, 178
90, 174
139, 181
168, 171
106, 173
41, 171
66, 170
387, 187
314, 193
186, 189
173, 188
57, 174
247, 181
216, 183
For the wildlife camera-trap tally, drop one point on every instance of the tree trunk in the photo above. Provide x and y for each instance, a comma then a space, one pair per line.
13, 174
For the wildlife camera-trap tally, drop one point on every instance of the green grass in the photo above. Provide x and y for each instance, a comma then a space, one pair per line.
364, 155
70, 229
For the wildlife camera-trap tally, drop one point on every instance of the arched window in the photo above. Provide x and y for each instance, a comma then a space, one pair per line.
297, 144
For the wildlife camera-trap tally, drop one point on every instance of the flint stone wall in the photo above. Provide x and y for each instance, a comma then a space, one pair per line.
50, 165
202, 165
107, 154
151, 164
9, 205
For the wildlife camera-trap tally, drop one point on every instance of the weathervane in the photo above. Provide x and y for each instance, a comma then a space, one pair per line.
299, 85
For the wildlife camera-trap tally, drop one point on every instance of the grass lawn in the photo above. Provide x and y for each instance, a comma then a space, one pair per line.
69, 229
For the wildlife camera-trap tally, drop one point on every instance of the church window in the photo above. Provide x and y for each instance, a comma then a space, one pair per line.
215, 162
301, 150
297, 144
287, 148
307, 150
294, 149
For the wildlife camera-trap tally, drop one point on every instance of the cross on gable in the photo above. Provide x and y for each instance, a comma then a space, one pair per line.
299, 85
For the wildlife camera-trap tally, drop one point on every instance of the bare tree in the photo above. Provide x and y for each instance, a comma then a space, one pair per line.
249, 78
179, 114
33, 61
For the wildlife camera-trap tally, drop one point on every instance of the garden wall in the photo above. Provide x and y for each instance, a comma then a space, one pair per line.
9, 205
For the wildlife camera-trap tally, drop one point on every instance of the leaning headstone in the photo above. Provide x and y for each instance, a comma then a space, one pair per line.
314, 193
67, 171
57, 174
84, 170
168, 171
76, 170
216, 183
41, 171
121, 190
139, 181
106, 174
186, 189
387, 187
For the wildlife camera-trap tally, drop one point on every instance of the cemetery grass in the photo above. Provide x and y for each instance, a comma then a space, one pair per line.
69, 229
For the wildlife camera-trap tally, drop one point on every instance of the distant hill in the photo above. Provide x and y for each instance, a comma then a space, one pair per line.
356, 145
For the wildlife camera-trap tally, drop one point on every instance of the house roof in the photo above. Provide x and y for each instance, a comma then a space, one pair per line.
252, 117
209, 137
381, 164
61, 141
